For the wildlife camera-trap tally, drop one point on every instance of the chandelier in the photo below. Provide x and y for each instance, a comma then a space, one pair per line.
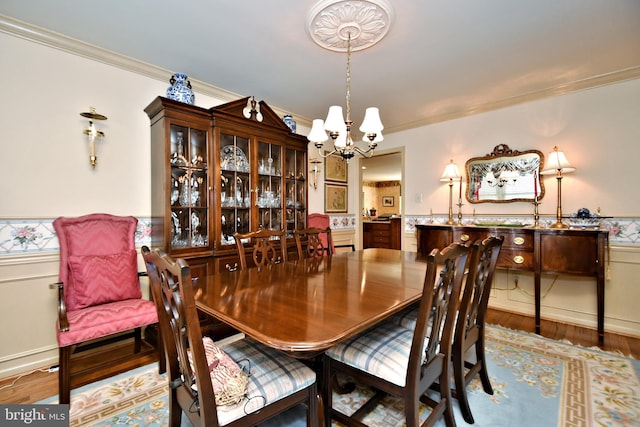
330, 24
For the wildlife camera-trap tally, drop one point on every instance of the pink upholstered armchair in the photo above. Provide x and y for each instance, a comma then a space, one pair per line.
99, 294
319, 220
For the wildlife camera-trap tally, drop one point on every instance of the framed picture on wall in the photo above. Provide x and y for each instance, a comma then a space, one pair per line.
387, 201
335, 169
335, 198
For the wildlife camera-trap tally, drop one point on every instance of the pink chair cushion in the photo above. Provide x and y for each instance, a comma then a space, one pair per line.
106, 319
318, 220
100, 279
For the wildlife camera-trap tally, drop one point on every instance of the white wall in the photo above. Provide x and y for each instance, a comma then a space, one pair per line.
46, 171
597, 129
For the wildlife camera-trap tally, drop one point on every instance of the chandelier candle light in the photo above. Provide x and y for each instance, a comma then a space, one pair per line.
330, 24
558, 164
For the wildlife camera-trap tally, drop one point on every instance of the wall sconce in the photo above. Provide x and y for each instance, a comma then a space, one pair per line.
314, 170
93, 133
450, 173
557, 163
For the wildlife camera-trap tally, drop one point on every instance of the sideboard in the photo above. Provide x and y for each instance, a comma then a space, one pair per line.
540, 250
382, 234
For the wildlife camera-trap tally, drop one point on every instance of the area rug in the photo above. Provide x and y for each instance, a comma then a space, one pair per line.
536, 381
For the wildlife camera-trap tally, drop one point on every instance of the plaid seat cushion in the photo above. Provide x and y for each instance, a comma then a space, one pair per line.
272, 376
382, 351
406, 318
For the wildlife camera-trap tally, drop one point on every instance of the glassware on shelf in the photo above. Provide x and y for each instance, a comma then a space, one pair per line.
178, 158
184, 192
175, 191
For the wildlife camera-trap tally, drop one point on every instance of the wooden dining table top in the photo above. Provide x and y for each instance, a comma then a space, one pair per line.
305, 307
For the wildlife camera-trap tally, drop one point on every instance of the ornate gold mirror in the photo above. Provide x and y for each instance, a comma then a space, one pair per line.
505, 176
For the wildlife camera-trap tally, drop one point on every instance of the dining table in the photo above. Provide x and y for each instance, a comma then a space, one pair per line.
306, 306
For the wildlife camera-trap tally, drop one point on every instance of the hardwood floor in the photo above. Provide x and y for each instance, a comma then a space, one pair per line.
33, 386
38, 385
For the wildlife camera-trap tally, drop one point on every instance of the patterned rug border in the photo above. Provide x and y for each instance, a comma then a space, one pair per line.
139, 397
606, 392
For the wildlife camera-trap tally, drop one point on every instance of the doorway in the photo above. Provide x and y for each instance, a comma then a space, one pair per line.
381, 183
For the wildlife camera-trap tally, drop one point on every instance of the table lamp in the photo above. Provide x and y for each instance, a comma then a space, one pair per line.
557, 163
450, 173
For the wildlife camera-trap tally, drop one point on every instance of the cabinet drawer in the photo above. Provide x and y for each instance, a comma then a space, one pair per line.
227, 263
382, 239
469, 235
518, 240
515, 259
376, 227
378, 233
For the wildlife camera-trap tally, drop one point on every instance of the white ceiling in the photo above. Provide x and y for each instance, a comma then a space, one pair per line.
440, 59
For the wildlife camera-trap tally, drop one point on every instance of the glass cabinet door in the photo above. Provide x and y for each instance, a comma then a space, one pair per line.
296, 190
235, 186
269, 189
189, 187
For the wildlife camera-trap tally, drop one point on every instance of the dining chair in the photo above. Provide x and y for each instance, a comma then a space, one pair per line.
267, 247
470, 324
99, 297
309, 242
275, 384
320, 220
403, 362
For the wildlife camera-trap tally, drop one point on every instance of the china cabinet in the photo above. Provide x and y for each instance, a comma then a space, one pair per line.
235, 167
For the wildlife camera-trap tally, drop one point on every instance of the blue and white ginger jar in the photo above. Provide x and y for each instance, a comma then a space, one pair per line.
180, 89
288, 119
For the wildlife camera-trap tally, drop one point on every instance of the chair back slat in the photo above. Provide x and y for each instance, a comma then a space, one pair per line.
268, 247
309, 242
172, 291
475, 297
437, 310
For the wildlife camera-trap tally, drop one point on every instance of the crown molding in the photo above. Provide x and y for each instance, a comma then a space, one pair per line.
67, 44
59, 41
563, 89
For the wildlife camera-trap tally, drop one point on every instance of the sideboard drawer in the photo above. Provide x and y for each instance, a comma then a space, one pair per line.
468, 235
518, 240
515, 259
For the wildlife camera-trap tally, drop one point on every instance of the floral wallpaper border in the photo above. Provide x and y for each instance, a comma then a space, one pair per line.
20, 236
621, 230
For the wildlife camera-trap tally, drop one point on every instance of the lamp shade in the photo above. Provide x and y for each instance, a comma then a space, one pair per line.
335, 120
341, 141
371, 122
557, 161
317, 133
451, 171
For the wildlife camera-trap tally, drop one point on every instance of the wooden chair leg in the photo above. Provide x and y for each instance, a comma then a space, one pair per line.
175, 412
484, 375
457, 360
64, 374
137, 343
445, 396
162, 358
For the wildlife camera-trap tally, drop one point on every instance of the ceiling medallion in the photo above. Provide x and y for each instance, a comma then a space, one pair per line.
330, 23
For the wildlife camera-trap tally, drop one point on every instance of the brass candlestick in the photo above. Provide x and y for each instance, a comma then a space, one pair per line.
459, 211
536, 215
